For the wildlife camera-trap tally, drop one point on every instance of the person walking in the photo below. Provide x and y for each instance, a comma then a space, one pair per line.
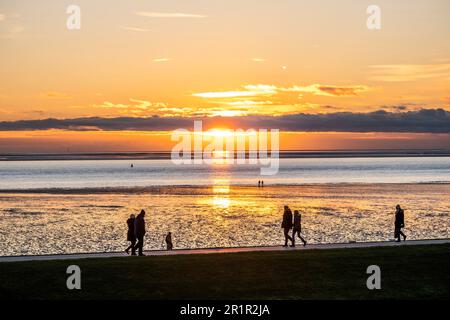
131, 236
169, 243
399, 223
297, 228
139, 230
287, 225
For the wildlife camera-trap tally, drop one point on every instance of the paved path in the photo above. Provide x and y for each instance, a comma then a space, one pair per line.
224, 250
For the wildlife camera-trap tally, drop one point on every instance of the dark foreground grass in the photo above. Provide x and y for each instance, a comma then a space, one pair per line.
407, 272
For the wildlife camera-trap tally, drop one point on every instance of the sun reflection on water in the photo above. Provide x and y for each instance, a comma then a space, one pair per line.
221, 190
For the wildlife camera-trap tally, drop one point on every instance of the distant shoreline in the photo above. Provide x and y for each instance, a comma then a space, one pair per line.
200, 189
165, 155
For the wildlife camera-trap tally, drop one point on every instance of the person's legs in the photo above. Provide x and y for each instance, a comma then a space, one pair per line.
401, 234
133, 247
397, 234
301, 238
136, 246
286, 236
293, 237
140, 244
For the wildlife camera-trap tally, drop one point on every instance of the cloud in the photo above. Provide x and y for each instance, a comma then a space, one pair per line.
55, 95
250, 92
264, 89
421, 121
12, 32
135, 29
328, 90
10, 28
168, 15
339, 91
409, 72
137, 107
161, 60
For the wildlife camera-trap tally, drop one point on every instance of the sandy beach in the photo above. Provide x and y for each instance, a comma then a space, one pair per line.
74, 221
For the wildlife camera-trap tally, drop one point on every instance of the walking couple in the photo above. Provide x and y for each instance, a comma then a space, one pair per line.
136, 231
296, 225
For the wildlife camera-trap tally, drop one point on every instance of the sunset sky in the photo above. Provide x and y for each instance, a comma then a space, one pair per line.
309, 68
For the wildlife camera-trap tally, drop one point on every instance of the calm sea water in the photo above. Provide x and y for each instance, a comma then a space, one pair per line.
341, 199
118, 173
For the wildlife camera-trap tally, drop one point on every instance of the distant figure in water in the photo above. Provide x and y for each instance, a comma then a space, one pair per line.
399, 223
131, 236
132, 165
139, 231
287, 224
262, 183
297, 228
169, 241
259, 183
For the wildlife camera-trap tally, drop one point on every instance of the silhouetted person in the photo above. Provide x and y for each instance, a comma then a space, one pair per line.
399, 223
139, 230
297, 228
259, 183
169, 241
262, 183
131, 236
287, 224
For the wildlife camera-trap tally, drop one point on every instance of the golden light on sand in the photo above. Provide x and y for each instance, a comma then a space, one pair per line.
221, 186
221, 202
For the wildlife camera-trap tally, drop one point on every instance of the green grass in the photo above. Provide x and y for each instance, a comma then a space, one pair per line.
407, 272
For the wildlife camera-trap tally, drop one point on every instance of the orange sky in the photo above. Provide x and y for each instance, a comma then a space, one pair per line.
225, 57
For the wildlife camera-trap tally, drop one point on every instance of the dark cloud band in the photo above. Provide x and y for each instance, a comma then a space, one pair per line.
421, 121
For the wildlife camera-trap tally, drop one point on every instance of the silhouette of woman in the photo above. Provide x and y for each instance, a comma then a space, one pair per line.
297, 228
399, 223
131, 236
287, 224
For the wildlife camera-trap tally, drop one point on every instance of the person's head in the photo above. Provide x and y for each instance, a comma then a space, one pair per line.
142, 212
132, 216
286, 208
397, 207
296, 212
170, 233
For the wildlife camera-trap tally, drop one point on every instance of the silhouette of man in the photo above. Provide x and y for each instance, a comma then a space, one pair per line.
139, 231
399, 223
169, 241
287, 224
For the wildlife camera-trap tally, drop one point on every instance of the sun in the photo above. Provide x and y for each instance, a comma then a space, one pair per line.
218, 133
